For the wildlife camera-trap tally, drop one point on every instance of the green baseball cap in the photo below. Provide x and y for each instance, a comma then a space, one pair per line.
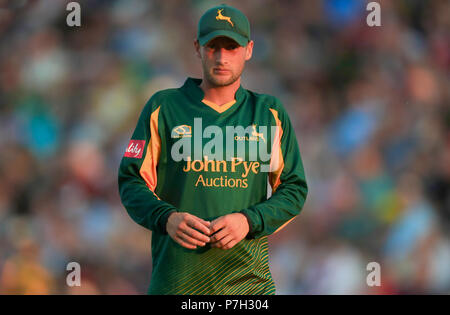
224, 20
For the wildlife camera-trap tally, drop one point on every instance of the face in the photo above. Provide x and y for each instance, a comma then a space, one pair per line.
223, 60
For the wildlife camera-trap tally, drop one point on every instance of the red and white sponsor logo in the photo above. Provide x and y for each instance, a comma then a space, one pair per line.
135, 149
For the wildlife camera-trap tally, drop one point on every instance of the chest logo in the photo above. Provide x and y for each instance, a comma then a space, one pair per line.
257, 135
182, 131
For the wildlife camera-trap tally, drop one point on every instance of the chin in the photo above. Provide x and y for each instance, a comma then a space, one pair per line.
221, 80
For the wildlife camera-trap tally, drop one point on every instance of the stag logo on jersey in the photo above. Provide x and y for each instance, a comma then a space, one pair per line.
135, 149
182, 131
254, 136
223, 17
257, 135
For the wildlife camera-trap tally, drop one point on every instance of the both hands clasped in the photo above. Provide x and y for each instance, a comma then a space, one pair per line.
190, 231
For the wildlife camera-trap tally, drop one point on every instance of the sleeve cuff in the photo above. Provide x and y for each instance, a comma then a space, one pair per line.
250, 226
163, 221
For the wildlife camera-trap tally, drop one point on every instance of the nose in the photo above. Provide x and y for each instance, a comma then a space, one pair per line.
220, 55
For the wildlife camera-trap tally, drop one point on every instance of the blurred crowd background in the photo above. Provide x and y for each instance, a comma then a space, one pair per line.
370, 106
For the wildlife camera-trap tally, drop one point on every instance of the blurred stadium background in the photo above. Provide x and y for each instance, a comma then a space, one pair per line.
370, 107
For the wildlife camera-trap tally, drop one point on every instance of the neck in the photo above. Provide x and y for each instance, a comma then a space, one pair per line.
220, 94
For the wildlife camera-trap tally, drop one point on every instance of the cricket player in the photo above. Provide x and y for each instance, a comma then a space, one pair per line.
197, 168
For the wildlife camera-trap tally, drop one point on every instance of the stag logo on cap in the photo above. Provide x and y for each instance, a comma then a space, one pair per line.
223, 17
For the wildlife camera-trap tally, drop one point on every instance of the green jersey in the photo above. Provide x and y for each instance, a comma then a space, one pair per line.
190, 155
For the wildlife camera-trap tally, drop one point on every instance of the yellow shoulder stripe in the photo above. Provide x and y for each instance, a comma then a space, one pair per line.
148, 167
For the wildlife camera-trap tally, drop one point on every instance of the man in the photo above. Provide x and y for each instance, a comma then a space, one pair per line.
206, 200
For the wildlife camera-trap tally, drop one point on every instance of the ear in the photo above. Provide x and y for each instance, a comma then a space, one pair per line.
249, 50
197, 48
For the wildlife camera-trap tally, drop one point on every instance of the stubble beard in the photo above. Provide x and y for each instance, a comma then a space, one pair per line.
218, 81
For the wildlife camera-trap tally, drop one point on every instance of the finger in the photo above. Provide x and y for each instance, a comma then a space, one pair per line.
198, 224
222, 242
199, 238
187, 238
219, 235
216, 225
230, 244
180, 241
200, 220
205, 223
188, 235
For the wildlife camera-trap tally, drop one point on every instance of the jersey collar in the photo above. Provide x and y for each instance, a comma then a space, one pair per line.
192, 88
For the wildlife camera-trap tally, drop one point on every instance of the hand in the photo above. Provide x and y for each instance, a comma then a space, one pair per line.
231, 229
188, 230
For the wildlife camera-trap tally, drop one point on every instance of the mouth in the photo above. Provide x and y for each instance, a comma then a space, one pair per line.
220, 71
